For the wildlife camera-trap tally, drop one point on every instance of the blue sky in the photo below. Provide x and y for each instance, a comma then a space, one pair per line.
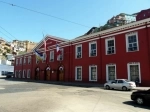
26, 25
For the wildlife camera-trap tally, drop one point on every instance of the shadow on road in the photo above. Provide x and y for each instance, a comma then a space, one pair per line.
62, 83
132, 103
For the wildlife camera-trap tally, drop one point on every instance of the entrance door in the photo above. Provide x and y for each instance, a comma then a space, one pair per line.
48, 75
37, 74
61, 73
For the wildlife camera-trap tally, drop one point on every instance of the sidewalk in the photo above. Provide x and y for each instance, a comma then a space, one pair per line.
77, 84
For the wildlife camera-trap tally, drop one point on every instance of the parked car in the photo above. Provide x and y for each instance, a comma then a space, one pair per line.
141, 96
121, 84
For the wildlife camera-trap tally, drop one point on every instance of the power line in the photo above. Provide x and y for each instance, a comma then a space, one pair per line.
7, 32
44, 14
6, 35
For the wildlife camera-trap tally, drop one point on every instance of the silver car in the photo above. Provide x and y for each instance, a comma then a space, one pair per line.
121, 84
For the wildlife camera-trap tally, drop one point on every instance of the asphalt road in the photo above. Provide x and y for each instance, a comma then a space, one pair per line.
16, 96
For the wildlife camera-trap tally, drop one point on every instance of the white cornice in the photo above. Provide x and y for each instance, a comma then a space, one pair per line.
123, 32
85, 41
116, 29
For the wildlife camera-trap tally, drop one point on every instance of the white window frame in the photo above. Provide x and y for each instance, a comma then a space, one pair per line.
76, 73
107, 76
19, 75
23, 75
90, 43
51, 58
127, 44
128, 68
24, 60
106, 45
16, 73
28, 71
44, 57
16, 61
29, 60
90, 72
78, 55
20, 61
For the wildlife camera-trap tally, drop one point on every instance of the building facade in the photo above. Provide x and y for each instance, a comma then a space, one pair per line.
143, 14
120, 52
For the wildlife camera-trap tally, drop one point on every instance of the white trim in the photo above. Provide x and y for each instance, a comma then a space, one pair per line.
90, 43
76, 73
106, 45
148, 25
24, 60
48, 68
29, 59
108, 65
86, 41
50, 58
90, 72
44, 57
123, 32
115, 29
76, 53
127, 44
128, 69
47, 37
55, 47
16, 73
19, 75
16, 61
28, 73
24, 72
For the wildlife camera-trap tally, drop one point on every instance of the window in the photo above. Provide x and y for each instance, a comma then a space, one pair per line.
44, 57
51, 56
120, 81
93, 73
24, 73
78, 51
132, 42
20, 61
19, 76
78, 74
110, 72
16, 61
134, 71
92, 49
29, 59
28, 73
60, 56
24, 61
16, 73
110, 46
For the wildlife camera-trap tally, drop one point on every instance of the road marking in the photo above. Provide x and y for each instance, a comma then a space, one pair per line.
2, 88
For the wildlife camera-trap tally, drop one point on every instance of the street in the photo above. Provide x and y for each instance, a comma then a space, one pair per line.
17, 96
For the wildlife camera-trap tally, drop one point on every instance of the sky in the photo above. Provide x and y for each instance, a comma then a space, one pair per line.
16, 22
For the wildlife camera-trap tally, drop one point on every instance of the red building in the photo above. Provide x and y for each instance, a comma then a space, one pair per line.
143, 14
120, 52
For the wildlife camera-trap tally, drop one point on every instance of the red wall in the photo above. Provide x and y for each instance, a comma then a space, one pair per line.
121, 59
